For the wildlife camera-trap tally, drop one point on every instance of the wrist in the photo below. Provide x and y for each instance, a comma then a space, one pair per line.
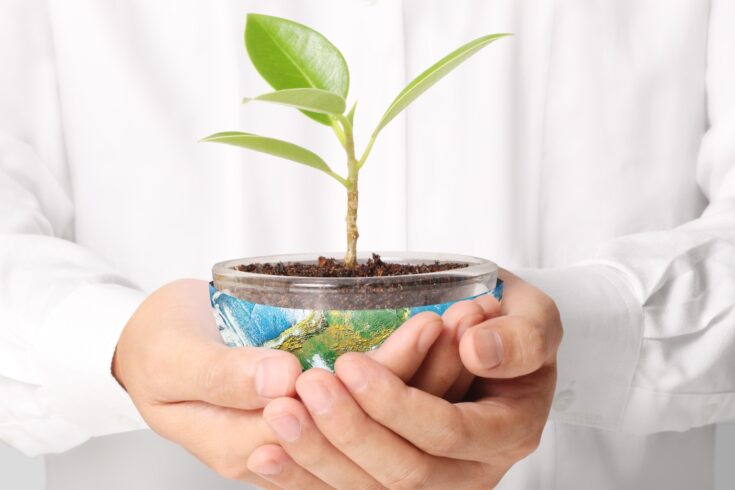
602, 328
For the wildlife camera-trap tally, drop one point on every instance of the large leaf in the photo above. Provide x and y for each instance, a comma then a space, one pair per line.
433, 74
272, 146
311, 99
291, 55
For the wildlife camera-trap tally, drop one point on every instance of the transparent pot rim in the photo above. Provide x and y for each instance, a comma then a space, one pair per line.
226, 276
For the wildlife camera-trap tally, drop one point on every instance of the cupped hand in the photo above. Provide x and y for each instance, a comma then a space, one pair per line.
367, 428
192, 389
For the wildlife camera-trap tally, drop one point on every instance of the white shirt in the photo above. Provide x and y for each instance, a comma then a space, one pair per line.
595, 149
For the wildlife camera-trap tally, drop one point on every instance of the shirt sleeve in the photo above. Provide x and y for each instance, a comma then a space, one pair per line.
61, 307
650, 322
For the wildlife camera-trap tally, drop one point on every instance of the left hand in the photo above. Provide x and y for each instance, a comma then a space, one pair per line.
366, 428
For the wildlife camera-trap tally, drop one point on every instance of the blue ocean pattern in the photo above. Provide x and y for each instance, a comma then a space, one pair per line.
316, 337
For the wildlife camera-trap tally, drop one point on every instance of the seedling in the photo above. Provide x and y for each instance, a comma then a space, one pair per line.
310, 74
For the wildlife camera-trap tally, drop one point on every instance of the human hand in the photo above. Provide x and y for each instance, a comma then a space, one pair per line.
192, 389
365, 428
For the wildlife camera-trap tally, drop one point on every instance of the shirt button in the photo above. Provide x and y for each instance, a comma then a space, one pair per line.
563, 400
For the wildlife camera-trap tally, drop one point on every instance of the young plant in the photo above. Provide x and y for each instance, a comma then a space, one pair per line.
310, 74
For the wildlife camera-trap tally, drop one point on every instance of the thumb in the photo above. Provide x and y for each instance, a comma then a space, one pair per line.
170, 352
525, 337
245, 378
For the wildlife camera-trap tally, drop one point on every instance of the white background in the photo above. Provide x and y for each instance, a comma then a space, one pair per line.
18, 472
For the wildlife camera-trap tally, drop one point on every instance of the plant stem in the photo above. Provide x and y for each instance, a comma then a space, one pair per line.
351, 221
353, 169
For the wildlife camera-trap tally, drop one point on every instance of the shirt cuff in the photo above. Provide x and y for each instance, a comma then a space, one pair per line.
76, 344
597, 358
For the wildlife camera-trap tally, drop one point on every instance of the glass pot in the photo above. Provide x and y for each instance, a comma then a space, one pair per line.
319, 318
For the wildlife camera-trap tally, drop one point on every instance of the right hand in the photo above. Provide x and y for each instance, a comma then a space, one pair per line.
191, 388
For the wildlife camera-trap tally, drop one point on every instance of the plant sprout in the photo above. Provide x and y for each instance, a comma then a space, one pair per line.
310, 74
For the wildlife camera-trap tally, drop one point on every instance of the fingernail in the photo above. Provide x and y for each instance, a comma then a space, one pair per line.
316, 397
287, 427
488, 348
268, 468
272, 378
353, 375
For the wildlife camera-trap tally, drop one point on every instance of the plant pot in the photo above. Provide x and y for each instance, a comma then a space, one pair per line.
320, 318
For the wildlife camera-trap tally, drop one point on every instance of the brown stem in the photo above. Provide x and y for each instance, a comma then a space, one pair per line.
353, 169
351, 221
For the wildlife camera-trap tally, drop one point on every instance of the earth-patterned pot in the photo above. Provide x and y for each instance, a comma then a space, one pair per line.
320, 318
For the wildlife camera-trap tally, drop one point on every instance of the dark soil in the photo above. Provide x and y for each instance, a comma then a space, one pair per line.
365, 292
329, 267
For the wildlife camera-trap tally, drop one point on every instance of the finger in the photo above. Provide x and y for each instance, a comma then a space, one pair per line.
459, 389
308, 447
245, 378
381, 453
442, 366
273, 464
405, 350
507, 347
470, 431
462, 315
489, 305
525, 338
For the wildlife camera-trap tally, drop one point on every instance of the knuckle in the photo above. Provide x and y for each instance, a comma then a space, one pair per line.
230, 469
547, 304
557, 331
449, 440
310, 455
492, 481
527, 446
415, 476
219, 379
537, 346
350, 435
559, 327
451, 436
310, 459
553, 324
371, 486
208, 380
484, 477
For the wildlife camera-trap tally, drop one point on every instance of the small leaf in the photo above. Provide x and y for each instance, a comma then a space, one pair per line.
351, 114
291, 55
433, 74
272, 146
311, 99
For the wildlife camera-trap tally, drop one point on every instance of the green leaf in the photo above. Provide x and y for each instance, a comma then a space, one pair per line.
274, 147
311, 99
433, 74
290, 55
